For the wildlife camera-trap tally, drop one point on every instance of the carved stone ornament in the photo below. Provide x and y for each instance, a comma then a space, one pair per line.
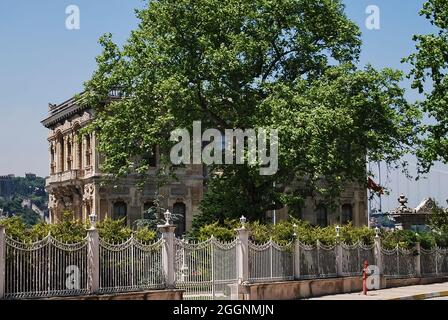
89, 191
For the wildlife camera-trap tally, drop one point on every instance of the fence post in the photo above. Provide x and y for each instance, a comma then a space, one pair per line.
168, 257
242, 254
2, 261
339, 269
418, 268
318, 258
338, 252
93, 260
377, 252
297, 259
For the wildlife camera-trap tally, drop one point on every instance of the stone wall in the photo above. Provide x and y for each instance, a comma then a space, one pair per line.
141, 295
303, 289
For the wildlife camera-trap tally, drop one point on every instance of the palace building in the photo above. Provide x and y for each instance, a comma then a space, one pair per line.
76, 183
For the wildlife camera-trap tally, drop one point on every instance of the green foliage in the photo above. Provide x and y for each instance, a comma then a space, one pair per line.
260, 233
403, 238
350, 234
285, 232
145, 235
288, 65
154, 216
14, 226
113, 231
32, 189
71, 231
429, 240
439, 219
225, 232
429, 74
441, 239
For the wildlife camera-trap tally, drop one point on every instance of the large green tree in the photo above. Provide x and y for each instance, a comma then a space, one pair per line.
430, 76
288, 65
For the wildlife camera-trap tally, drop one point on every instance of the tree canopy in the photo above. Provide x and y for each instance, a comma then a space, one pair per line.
289, 65
430, 76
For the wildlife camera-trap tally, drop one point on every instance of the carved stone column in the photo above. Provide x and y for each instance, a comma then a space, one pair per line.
66, 153
57, 156
52, 206
88, 198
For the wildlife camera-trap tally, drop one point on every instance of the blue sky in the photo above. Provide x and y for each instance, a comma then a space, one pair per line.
41, 62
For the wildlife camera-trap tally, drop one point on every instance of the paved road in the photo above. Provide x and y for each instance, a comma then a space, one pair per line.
420, 292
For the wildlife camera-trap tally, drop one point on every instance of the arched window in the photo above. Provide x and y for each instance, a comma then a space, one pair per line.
61, 154
69, 155
346, 213
179, 211
88, 149
52, 159
321, 216
80, 155
146, 210
151, 157
120, 210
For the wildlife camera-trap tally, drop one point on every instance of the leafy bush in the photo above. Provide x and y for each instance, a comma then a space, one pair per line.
402, 238
287, 231
113, 231
71, 231
351, 235
225, 232
145, 235
15, 227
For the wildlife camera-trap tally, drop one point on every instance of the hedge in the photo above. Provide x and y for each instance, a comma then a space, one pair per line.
71, 230
287, 231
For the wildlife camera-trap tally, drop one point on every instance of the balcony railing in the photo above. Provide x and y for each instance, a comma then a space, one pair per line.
64, 176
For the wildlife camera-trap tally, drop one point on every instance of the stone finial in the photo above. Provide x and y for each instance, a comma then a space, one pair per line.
402, 200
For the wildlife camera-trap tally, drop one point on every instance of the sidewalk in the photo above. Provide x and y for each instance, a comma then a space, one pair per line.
420, 292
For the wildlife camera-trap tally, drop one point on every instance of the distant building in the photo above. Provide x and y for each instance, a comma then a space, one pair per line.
7, 186
30, 176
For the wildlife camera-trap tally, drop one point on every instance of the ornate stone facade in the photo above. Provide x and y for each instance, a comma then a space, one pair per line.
76, 183
350, 207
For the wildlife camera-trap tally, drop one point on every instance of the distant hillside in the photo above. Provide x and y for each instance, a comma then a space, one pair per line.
25, 197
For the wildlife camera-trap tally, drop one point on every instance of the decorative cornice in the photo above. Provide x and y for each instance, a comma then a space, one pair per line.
63, 114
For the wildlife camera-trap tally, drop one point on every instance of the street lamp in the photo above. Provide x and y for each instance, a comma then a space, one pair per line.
294, 226
92, 219
338, 229
167, 215
377, 232
243, 222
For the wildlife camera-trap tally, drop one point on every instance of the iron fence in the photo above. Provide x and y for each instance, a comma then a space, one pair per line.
205, 269
130, 266
45, 268
271, 262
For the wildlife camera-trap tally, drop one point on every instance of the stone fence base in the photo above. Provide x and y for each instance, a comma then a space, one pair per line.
173, 294
302, 289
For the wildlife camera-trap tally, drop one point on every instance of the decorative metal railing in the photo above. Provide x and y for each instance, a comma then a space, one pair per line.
434, 262
398, 262
130, 266
45, 268
205, 270
353, 257
271, 262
